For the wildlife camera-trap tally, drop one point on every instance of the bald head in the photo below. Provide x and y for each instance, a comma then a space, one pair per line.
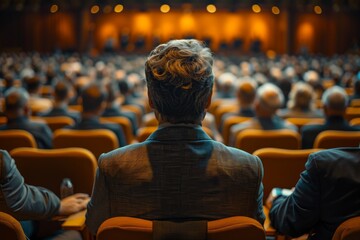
335, 100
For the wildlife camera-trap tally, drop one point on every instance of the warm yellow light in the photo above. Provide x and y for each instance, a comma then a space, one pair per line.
317, 9
275, 10
94, 9
107, 9
211, 8
54, 8
256, 8
118, 8
165, 8
271, 54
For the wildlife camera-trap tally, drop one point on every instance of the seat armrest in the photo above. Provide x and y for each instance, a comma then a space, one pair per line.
75, 221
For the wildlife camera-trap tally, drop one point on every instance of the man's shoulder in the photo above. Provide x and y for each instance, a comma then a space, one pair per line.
336, 160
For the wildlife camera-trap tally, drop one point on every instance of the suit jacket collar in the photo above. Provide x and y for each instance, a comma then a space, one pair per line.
179, 132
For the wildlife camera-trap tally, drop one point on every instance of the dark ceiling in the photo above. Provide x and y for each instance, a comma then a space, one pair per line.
143, 5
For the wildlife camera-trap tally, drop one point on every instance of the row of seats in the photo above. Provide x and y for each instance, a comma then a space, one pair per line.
102, 140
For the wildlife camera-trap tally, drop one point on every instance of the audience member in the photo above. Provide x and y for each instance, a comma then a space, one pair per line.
62, 96
327, 193
178, 173
356, 93
36, 102
113, 107
93, 104
301, 103
267, 101
26, 202
335, 101
17, 111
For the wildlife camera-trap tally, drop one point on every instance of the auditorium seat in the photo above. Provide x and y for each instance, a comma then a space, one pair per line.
10, 228
250, 140
98, 141
228, 123
355, 103
222, 110
300, 122
348, 230
134, 109
56, 122
48, 167
282, 167
352, 112
10, 139
124, 123
355, 122
117, 228
334, 139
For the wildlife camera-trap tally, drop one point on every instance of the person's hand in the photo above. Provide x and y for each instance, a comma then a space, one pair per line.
275, 192
73, 204
271, 198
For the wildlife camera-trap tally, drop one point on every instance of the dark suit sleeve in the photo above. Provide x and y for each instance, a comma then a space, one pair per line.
259, 209
98, 209
299, 213
21, 200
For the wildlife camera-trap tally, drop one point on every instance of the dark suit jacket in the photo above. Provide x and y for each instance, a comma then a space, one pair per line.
179, 172
310, 132
40, 131
94, 123
327, 194
62, 111
20, 200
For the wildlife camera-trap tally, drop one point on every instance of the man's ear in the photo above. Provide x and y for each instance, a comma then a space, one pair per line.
151, 104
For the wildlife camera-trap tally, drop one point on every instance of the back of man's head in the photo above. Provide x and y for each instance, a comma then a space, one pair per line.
269, 99
246, 92
61, 91
179, 78
93, 96
15, 99
32, 84
335, 101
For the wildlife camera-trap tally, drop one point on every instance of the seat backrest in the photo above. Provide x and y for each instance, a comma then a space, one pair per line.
300, 122
355, 122
352, 112
237, 227
134, 109
282, 167
222, 110
124, 123
228, 123
144, 132
10, 139
250, 140
56, 122
355, 103
333, 139
348, 230
48, 167
10, 228
98, 141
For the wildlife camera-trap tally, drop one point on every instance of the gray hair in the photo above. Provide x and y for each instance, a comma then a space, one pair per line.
179, 78
270, 96
335, 98
16, 98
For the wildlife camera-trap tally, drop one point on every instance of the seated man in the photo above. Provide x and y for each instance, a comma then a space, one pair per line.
113, 108
327, 194
62, 98
93, 103
335, 102
36, 102
17, 111
26, 202
179, 172
267, 101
